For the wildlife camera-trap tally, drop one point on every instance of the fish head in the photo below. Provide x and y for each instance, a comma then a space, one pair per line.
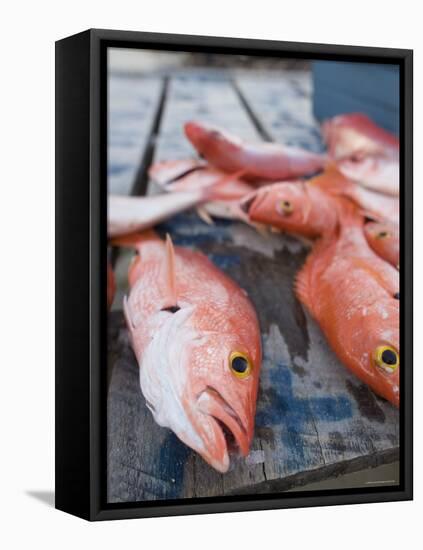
287, 206
203, 386
378, 347
223, 396
209, 140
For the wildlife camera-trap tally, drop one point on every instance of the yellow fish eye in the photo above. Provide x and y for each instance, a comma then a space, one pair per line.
383, 235
387, 358
240, 364
285, 207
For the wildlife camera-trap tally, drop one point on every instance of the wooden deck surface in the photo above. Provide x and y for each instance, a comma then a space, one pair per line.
314, 419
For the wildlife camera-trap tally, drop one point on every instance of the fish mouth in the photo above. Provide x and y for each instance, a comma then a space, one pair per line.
230, 428
255, 200
178, 177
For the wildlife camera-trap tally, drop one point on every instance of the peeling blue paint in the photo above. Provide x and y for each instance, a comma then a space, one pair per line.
189, 230
281, 407
170, 467
225, 261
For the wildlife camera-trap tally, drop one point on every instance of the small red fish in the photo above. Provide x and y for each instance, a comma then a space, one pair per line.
297, 207
383, 238
258, 161
354, 296
196, 337
355, 134
311, 209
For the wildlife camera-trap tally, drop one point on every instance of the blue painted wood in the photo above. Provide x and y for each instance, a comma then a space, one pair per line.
357, 87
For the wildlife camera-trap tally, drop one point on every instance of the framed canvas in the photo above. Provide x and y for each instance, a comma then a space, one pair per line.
233, 274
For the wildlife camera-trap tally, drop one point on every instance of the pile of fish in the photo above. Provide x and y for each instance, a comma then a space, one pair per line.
194, 331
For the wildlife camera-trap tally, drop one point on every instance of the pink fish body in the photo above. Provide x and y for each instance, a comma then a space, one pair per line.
259, 161
377, 173
134, 213
129, 214
355, 134
200, 176
196, 337
381, 207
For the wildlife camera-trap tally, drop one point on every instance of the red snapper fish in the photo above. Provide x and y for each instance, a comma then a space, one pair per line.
258, 161
196, 338
351, 292
354, 296
374, 205
356, 135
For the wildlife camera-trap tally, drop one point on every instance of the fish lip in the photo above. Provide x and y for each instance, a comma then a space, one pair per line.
228, 408
246, 204
252, 202
227, 419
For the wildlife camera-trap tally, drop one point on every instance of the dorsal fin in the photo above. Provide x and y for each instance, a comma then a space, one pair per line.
170, 274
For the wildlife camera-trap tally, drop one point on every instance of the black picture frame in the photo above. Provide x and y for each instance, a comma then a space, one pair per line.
81, 313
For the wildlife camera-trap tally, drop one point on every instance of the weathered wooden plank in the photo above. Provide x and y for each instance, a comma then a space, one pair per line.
284, 107
207, 99
133, 104
314, 419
